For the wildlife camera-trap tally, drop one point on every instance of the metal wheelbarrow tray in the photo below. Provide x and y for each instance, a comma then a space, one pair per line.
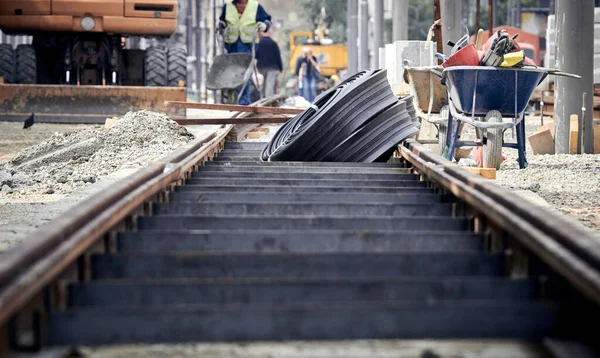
431, 98
229, 71
427, 89
474, 91
482, 96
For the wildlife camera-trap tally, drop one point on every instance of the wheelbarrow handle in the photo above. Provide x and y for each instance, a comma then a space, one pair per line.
557, 72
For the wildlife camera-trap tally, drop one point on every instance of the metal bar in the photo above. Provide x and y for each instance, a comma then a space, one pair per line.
574, 54
352, 36
233, 107
245, 120
526, 222
23, 271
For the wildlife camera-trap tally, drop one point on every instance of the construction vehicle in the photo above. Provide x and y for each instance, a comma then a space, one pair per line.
78, 62
332, 58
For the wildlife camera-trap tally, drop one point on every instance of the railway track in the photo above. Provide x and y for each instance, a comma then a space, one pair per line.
211, 244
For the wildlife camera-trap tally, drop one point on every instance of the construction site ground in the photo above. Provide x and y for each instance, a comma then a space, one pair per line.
567, 183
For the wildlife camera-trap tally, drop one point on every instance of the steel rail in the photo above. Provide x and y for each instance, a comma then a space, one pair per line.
29, 269
544, 239
85, 229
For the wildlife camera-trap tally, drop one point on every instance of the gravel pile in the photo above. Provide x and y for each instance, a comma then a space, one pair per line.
68, 161
570, 183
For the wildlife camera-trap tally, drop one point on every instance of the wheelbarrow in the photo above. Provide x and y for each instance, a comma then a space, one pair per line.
230, 71
431, 98
491, 99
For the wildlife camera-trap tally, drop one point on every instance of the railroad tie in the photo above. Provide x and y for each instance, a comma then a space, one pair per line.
248, 250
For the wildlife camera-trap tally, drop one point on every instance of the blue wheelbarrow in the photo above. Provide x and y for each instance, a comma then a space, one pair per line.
492, 100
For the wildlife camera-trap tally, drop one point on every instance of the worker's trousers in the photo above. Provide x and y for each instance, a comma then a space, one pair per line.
309, 88
270, 79
244, 98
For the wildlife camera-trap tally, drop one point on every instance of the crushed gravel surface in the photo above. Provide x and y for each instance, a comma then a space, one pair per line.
68, 161
569, 183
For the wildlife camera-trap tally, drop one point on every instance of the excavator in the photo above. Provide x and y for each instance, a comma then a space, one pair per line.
77, 68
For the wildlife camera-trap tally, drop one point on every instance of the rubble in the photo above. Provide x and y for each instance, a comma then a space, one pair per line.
68, 161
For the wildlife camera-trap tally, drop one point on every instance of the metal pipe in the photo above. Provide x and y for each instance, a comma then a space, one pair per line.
377, 30
574, 54
364, 35
352, 13
399, 20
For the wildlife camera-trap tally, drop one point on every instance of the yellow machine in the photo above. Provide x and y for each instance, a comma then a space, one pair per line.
331, 57
78, 69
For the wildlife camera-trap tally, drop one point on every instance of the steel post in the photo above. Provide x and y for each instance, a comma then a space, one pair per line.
518, 14
352, 13
451, 22
377, 30
399, 20
363, 29
574, 54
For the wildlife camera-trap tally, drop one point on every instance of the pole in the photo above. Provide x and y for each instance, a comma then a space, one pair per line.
491, 17
518, 14
477, 15
399, 20
494, 12
352, 13
574, 54
363, 58
437, 15
451, 21
378, 30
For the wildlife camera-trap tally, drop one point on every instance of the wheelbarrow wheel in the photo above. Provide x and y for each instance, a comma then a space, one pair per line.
492, 147
443, 130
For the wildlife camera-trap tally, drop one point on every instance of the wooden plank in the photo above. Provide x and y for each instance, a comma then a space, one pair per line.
542, 142
233, 107
488, 173
262, 130
243, 120
548, 126
255, 135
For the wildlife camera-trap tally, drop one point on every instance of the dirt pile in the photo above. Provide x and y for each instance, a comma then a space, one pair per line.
70, 160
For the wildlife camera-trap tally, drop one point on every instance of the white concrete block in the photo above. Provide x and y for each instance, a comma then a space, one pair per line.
390, 61
412, 53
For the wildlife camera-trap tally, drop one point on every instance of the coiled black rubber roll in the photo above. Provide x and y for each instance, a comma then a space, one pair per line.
358, 120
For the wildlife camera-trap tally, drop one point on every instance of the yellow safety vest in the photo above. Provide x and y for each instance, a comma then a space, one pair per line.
242, 27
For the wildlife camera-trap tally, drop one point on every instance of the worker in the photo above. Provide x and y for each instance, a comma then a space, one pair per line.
309, 76
269, 63
239, 20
